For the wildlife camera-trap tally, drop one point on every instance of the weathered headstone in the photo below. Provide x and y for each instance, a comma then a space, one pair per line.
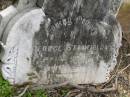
73, 41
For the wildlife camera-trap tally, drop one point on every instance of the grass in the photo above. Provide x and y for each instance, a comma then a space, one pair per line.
7, 90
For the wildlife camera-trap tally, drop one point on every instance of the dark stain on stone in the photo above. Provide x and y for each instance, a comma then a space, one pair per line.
86, 32
27, 58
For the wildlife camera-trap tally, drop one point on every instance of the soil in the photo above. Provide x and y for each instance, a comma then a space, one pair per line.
5, 3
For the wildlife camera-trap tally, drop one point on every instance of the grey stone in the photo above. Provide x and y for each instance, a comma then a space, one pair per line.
79, 41
2, 50
17, 57
40, 3
12, 22
5, 17
73, 41
7, 14
0, 19
24, 4
115, 5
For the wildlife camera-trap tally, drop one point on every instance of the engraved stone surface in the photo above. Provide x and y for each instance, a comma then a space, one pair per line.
73, 41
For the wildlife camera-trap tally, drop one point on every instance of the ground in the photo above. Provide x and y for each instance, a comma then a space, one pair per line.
123, 81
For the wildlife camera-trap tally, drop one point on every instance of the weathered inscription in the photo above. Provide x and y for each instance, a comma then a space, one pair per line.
64, 40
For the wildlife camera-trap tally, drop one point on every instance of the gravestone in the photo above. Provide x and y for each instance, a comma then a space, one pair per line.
59, 41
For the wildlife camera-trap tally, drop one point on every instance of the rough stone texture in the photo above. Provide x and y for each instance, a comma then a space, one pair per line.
5, 16
40, 3
76, 41
24, 4
18, 50
112, 5
76, 44
115, 5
